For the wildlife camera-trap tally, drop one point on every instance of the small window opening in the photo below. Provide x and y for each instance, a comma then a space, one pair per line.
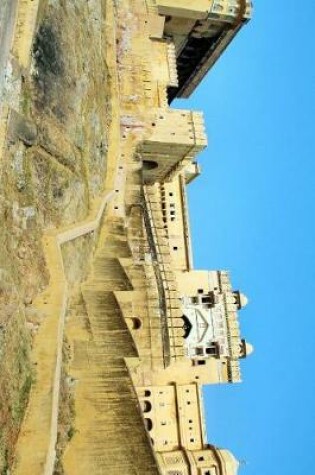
136, 323
148, 424
146, 406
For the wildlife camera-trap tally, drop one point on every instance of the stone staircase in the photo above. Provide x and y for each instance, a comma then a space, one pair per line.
110, 437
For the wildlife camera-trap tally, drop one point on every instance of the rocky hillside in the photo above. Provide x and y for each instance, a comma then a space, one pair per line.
53, 164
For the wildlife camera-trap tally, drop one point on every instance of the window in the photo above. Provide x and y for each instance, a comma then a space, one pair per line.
136, 323
209, 471
200, 291
213, 350
146, 406
148, 424
175, 248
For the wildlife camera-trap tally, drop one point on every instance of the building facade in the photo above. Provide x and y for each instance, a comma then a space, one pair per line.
148, 330
202, 343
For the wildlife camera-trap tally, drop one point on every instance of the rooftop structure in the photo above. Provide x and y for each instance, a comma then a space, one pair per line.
200, 30
173, 415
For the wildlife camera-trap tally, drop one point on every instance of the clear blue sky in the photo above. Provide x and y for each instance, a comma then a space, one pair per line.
252, 211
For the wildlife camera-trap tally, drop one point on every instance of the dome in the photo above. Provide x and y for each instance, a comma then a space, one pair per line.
249, 349
243, 300
246, 349
240, 299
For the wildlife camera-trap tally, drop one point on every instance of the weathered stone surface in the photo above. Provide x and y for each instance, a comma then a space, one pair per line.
53, 162
22, 128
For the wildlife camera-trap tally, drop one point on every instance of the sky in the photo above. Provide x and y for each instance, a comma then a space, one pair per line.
252, 212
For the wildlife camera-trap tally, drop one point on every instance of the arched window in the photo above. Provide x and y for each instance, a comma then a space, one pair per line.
146, 406
187, 326
148, 424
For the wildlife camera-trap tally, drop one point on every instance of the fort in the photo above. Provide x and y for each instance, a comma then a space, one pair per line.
126, 322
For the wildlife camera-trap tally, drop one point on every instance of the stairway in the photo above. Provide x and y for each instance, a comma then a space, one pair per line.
110, 437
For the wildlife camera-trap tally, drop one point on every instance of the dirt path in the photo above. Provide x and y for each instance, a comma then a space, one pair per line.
39, 429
